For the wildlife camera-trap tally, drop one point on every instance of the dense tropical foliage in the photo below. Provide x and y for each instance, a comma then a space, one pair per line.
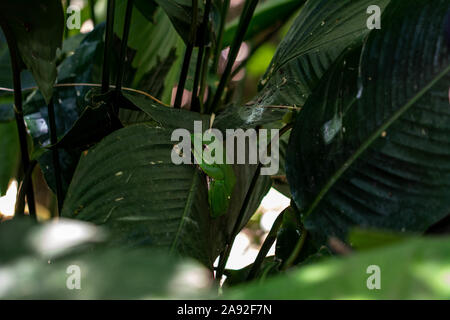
364, 119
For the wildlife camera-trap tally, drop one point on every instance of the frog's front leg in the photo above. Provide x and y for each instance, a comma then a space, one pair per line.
218, 198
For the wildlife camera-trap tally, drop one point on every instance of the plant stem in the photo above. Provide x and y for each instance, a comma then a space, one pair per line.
268, 242
123, 49
200, 59
203, 79
92, 11
124, 44
108, 44
223, 20
19, 209
183, 76
66, 30
298, 247
244, 22
224, 257
187, 56
55, 155
18, 111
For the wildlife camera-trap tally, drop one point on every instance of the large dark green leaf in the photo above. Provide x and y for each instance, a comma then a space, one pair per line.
416, 269
129, 183
36, 27
9, 155
321, 32
373, 151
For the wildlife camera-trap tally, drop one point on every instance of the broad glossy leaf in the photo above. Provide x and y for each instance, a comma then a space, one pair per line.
373, 151
36, 27
416, 269
320, 33
9, 154
129, 184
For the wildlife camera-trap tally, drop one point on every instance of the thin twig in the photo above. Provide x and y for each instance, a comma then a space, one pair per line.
124, 45
187, 56
298, 248
268, 242
203, 79
108, 45
223, 20
201, 59
92, 11
58, 85
55, 155
244, 23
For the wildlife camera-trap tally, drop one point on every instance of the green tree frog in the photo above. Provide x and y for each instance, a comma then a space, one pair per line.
221, 177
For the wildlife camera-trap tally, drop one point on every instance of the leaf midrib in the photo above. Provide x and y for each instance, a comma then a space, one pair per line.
187, 209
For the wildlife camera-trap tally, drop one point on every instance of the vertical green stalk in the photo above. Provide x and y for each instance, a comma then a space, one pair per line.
270, 239
298, 248
123, 47
200, 59
18, 111
108, 45
92, 11
55, 155
24, 186
66, 30
244, 23
203, 79
223, 20
187, 56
